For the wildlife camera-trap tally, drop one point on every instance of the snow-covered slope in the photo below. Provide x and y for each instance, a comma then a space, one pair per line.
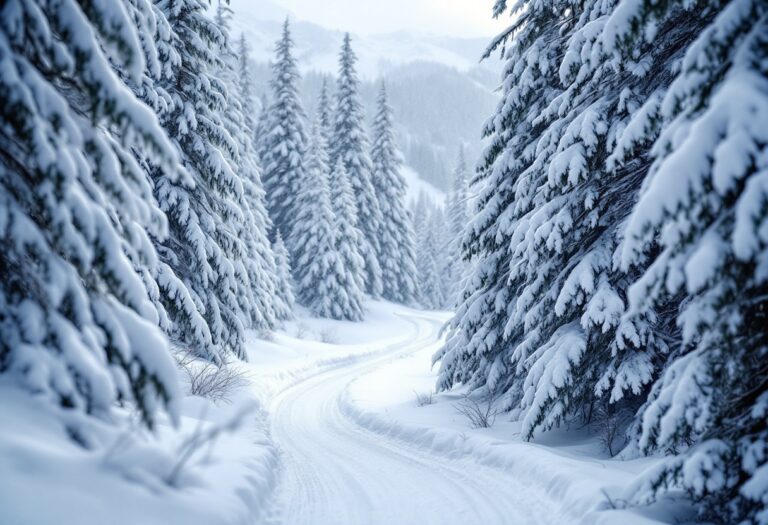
569, 467
317, 47
439, 89
416, 186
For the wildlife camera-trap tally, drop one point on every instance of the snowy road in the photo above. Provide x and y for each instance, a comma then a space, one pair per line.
336, 472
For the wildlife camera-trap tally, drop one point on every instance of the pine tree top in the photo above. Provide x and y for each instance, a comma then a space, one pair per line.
349, 109
385, 155
285, 61
347, 60
324, 109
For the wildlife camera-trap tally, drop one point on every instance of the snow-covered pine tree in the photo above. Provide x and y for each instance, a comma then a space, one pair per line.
284, 299
256, 269
441, 231
395, 235
283, 145
546, 293
204, 249
458, 218
324, 113
476, 351
348, 239
350, 143
77, 326
350, 242
431, 286
277, 290
318, 271
245, 85
181, 314
700, 232
260, 129
588, 90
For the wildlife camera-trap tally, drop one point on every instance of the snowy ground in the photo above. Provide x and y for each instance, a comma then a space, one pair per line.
569, 466
333, 436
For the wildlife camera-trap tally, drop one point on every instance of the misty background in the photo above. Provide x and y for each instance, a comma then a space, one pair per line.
439, 88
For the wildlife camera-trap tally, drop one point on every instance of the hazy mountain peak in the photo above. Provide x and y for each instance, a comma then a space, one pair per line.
317, 47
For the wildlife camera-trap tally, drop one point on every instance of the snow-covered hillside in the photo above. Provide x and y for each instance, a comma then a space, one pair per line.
417, 186
317, 47
440, 91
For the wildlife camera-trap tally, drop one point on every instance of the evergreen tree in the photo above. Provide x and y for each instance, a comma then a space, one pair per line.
181, 313
347, 244
324, 113
395, 235
260, 129
430, 280
283, 145
318, 269
245, 85
284, 298
256, 269
420, 211
549, 220
606, 103
206, 217
458, 218
350, 144
77, 326
270, 283
699, 233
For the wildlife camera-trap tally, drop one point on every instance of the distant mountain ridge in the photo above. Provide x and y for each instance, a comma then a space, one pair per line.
440, 92
317, 47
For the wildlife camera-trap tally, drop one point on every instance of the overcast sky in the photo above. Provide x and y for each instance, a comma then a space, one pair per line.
468, 18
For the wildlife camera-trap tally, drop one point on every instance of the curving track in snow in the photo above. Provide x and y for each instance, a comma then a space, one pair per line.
336, 472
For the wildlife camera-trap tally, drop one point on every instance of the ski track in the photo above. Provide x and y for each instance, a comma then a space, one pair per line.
336, 472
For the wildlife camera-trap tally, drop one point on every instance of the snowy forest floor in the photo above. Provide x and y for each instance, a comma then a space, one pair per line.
333, 433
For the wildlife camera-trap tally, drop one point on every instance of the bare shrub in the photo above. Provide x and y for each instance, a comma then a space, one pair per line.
479, 415
424, 399
212, 381
611, 423
328, 336
302, 329
266, 335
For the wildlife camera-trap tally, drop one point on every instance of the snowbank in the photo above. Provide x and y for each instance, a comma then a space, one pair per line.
124, 474
568, 465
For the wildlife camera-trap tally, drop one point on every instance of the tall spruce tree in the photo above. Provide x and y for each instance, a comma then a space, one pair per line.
700, 233
284, 299
77, 326
260, 129
283, 146
431, 286
606, 103
395, 235
245, 85
268, 280
548, 225
350, 144
458, 217
347, 244
320, 277
324, 112
256, 267
206, 216
181, 312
